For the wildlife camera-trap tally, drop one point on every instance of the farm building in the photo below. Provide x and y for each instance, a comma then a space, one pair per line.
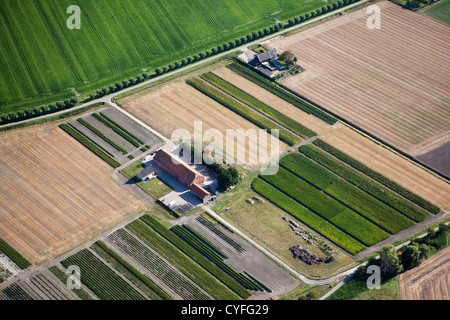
181, 171
267, 56
146, 174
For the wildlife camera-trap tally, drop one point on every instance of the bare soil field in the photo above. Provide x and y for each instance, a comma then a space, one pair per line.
392, 165
391, 82
178, 105
438, 159
429, 281
55, 193
308, 120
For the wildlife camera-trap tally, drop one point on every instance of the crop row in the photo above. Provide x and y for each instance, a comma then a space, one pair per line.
303, 167
15, 292
160, 294
242, 110
197, 257
304, 193
326, 207
307, 217
258, 105
157, 266
135, 141
218, 260
63, 276
377, 176
265, 83
192, 235
100, 278
77, 135
15, 256
102, 136
219, 233
183, 262
369, 207
370, 186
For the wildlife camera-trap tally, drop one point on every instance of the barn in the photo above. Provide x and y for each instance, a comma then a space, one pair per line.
181, 171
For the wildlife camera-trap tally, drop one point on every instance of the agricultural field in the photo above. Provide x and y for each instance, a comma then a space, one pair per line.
391, 82
54, 191
111, 135
393, 166
307, 120
439, 11
264, 223
117, 40
429, 281
178, 105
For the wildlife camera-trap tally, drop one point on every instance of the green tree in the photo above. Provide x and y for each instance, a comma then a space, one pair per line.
74, 100
390, 263
158, 71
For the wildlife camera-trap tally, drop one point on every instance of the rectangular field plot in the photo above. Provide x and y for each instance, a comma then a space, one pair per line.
55, 193
102, 280
178, 105
372, 78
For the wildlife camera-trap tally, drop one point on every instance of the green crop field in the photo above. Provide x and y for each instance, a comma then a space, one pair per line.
43, 61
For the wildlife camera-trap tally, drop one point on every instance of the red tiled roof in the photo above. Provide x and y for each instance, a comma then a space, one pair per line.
177, 168
199, 191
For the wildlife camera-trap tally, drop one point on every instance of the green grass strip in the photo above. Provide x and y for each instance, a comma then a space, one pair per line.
377, 176
89, 144
256, 104
304, 193
258, 79
307, 169
243, 111
369, 207
358, 227
101, 135
119, 129
359, 179
15, 256
307, 217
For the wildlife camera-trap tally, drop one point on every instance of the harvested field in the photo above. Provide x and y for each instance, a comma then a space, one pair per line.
55, 193
391, 82
429, 281
178, 106
308, 120
391, 165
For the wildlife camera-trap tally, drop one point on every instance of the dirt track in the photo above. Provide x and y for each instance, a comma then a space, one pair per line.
55, 193
428, 281
392, 82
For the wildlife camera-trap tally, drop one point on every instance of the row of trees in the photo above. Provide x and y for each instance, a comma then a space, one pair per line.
29, 113
37, 111
255, 35
393, 261
119, 86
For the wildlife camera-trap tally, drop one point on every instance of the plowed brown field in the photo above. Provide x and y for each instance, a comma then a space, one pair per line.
54, 193
428, 281
392, 82
178, 105
392, 165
